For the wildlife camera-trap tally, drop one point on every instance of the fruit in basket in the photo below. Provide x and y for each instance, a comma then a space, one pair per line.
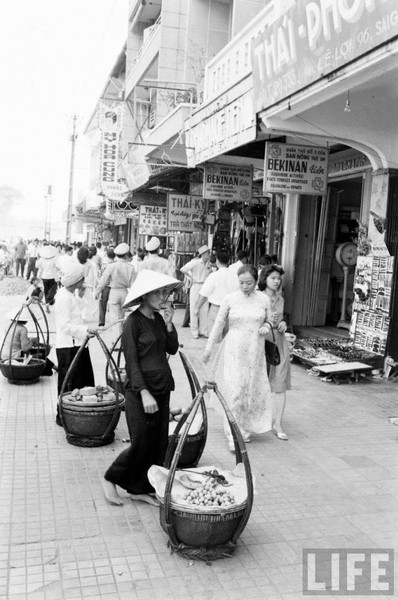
88, 391
178, 417
210, 493
177, 410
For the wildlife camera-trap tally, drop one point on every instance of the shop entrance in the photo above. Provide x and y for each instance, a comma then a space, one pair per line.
324, 224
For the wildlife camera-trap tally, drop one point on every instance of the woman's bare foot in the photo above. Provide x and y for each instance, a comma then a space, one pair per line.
149, 499
111, 493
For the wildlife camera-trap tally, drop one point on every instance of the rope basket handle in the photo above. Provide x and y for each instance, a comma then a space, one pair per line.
114, 371
195, 389
240, 454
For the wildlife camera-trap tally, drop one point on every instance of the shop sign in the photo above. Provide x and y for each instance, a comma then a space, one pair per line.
223, 125
291, 169
152, 220
227, 182
314, 38
111, 125
346, 162
136, 170
185, 213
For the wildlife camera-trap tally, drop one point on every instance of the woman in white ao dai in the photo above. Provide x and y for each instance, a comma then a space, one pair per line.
239, 367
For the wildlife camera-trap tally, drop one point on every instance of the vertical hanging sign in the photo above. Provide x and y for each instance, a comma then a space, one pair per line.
110, 125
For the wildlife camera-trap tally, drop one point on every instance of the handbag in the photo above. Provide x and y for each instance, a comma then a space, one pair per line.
272, 355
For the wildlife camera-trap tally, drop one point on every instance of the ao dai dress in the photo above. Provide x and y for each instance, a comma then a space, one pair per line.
239, 367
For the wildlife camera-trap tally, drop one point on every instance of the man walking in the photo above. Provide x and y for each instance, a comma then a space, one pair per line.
20, 256
197, 272
32, 255
153, 261
242, 257
216, 287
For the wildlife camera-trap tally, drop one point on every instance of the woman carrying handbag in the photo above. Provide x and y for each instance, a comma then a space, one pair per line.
270, 281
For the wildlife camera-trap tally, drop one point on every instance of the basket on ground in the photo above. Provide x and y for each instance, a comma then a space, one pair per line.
19, 373
91, 423
211, 533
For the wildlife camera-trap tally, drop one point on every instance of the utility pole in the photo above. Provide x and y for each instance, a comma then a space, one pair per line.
73, 138
47, 222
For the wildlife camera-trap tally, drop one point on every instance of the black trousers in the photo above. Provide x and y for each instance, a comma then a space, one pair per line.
149, 439
50, 289
82, 374
103, 303
32, 269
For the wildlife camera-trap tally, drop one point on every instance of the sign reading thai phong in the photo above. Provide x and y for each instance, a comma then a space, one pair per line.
111, 125
184, 213
291, 169
313, 38
152, 220
227, 182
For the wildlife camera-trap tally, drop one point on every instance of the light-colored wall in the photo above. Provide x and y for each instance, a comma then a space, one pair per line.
244, 11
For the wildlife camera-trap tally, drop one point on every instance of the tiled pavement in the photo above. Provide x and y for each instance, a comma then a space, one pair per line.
334, 484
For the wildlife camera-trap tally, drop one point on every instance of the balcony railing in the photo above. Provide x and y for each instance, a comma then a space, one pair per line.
148, 37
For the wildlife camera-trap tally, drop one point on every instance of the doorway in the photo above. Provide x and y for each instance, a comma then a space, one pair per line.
325, 223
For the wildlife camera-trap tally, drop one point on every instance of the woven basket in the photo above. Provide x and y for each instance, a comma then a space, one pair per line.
195, 443
23, 374
205, 534
208, 528
90, 424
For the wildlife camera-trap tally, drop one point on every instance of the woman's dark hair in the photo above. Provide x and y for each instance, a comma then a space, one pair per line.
248, 268
83, 254
265, 273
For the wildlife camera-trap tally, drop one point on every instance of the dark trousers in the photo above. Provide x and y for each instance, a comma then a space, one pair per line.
50, 289
103, 303
82, 374
19, 265
149, 439
32, 269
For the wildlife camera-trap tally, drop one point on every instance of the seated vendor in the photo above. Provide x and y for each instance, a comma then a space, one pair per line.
17, 336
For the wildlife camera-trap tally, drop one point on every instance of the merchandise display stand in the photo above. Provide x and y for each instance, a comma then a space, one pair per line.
349, 372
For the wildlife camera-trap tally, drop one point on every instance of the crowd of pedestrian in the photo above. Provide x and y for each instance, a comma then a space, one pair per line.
235, 305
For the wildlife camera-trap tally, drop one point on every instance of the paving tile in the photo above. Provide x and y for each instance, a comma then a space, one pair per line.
334, 484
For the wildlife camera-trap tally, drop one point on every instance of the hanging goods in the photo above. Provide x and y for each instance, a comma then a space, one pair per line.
89, 416
211, 532
272, 355
195, 440
26, 369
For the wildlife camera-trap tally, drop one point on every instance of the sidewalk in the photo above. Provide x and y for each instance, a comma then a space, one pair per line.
334, 484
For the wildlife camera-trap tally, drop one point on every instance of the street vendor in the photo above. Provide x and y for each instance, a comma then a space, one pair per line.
147, 339
18, 341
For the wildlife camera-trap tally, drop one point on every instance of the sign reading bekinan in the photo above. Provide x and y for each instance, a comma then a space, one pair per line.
291, 169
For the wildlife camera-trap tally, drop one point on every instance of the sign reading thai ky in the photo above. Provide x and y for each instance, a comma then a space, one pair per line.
227, 182
313, 38
184, 213
152, 220
295, 169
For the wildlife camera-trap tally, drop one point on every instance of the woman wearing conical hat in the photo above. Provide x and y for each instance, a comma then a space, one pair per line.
147, 339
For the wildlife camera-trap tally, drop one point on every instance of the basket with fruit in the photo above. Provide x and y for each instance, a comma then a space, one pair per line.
90, 415
205, 522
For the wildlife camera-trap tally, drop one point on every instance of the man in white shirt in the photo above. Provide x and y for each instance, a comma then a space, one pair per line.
216, 287
153, 261
242, 257
196, 270
33, 254
66, 259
